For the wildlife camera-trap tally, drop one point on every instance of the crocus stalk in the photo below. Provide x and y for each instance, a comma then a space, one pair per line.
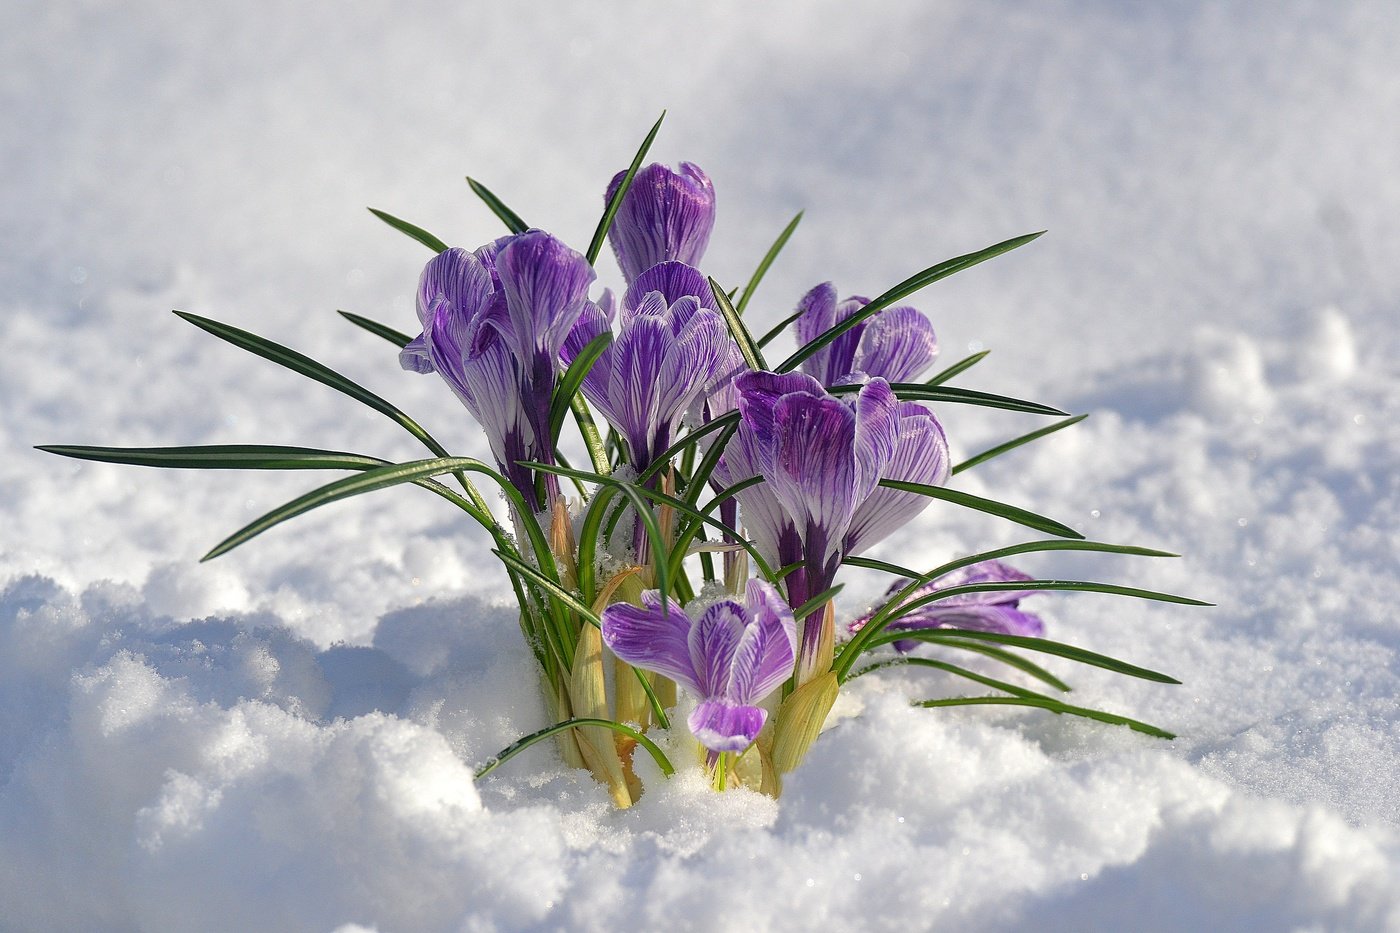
493, 323
822, 458
997, 611
897, 344
730, 658
665, 215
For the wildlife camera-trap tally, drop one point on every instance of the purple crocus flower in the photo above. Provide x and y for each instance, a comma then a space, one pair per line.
822, 458
896, 344
493, 324
666, 215
997, 611
732, 657
670, 349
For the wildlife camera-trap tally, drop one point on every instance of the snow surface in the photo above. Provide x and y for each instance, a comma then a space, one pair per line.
283, 739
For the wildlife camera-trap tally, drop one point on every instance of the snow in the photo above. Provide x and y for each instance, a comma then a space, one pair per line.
283, 738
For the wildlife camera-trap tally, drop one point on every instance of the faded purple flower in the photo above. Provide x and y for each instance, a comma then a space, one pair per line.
669, 349
732, 657
493, 323
996, 611
665, 215
896, 344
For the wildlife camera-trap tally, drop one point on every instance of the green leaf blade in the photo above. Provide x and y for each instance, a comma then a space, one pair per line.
600, 235
510, 218
411, 230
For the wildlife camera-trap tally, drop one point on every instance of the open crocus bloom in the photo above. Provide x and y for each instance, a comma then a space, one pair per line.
896, 344
996, 611
665, 215
732, 657
493, 323
822, 458
669, 350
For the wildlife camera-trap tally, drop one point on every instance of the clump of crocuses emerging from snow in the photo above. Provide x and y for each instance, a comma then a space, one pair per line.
680, 586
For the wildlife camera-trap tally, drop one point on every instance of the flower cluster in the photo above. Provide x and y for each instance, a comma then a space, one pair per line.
502, 324
788, 473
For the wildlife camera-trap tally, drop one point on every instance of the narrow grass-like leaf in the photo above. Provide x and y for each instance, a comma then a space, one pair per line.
397, 338
950, 669
1041, 645
893, 606
753, 356
572, 379
519, 745
816, 602
600, 235
1029, 547
1010, 659
553, 587
681, 549
412, 230
778, 329
990, 506
918, 392
637, 496
1012, 444
768, 258
221, 457
659, 497
957, 368
1054, 706
498, 207
728, 420
393, 474
910, 285
306, 366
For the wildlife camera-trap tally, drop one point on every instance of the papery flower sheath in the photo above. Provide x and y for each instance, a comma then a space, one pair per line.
671, 347
731, 657
896, 344
493, 324
665, 215
996, 611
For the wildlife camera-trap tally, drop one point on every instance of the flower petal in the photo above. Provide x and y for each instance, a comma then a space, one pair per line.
877, 434
546, 285
725, 726
921, 456
666, 215
768, 647
674, 280
712, 642
898, 344
643, 637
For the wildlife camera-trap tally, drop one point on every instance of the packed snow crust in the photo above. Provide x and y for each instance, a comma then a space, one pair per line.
284, 738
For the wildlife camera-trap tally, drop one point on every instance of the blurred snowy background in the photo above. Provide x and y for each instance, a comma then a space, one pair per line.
283, 738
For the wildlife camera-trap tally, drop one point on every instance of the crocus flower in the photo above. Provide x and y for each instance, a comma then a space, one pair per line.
665, 215
731, 657
896, 344
822, 458
670, 348
996, 611
493, 324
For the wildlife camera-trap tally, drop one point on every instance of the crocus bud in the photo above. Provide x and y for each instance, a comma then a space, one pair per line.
665, 215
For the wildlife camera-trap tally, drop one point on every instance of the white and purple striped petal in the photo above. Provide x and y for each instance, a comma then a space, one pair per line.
995, 611
665, 215
731, 658
896, 344
764, 657
920, 456
721, 725
664, 358
644, 637
546, 288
